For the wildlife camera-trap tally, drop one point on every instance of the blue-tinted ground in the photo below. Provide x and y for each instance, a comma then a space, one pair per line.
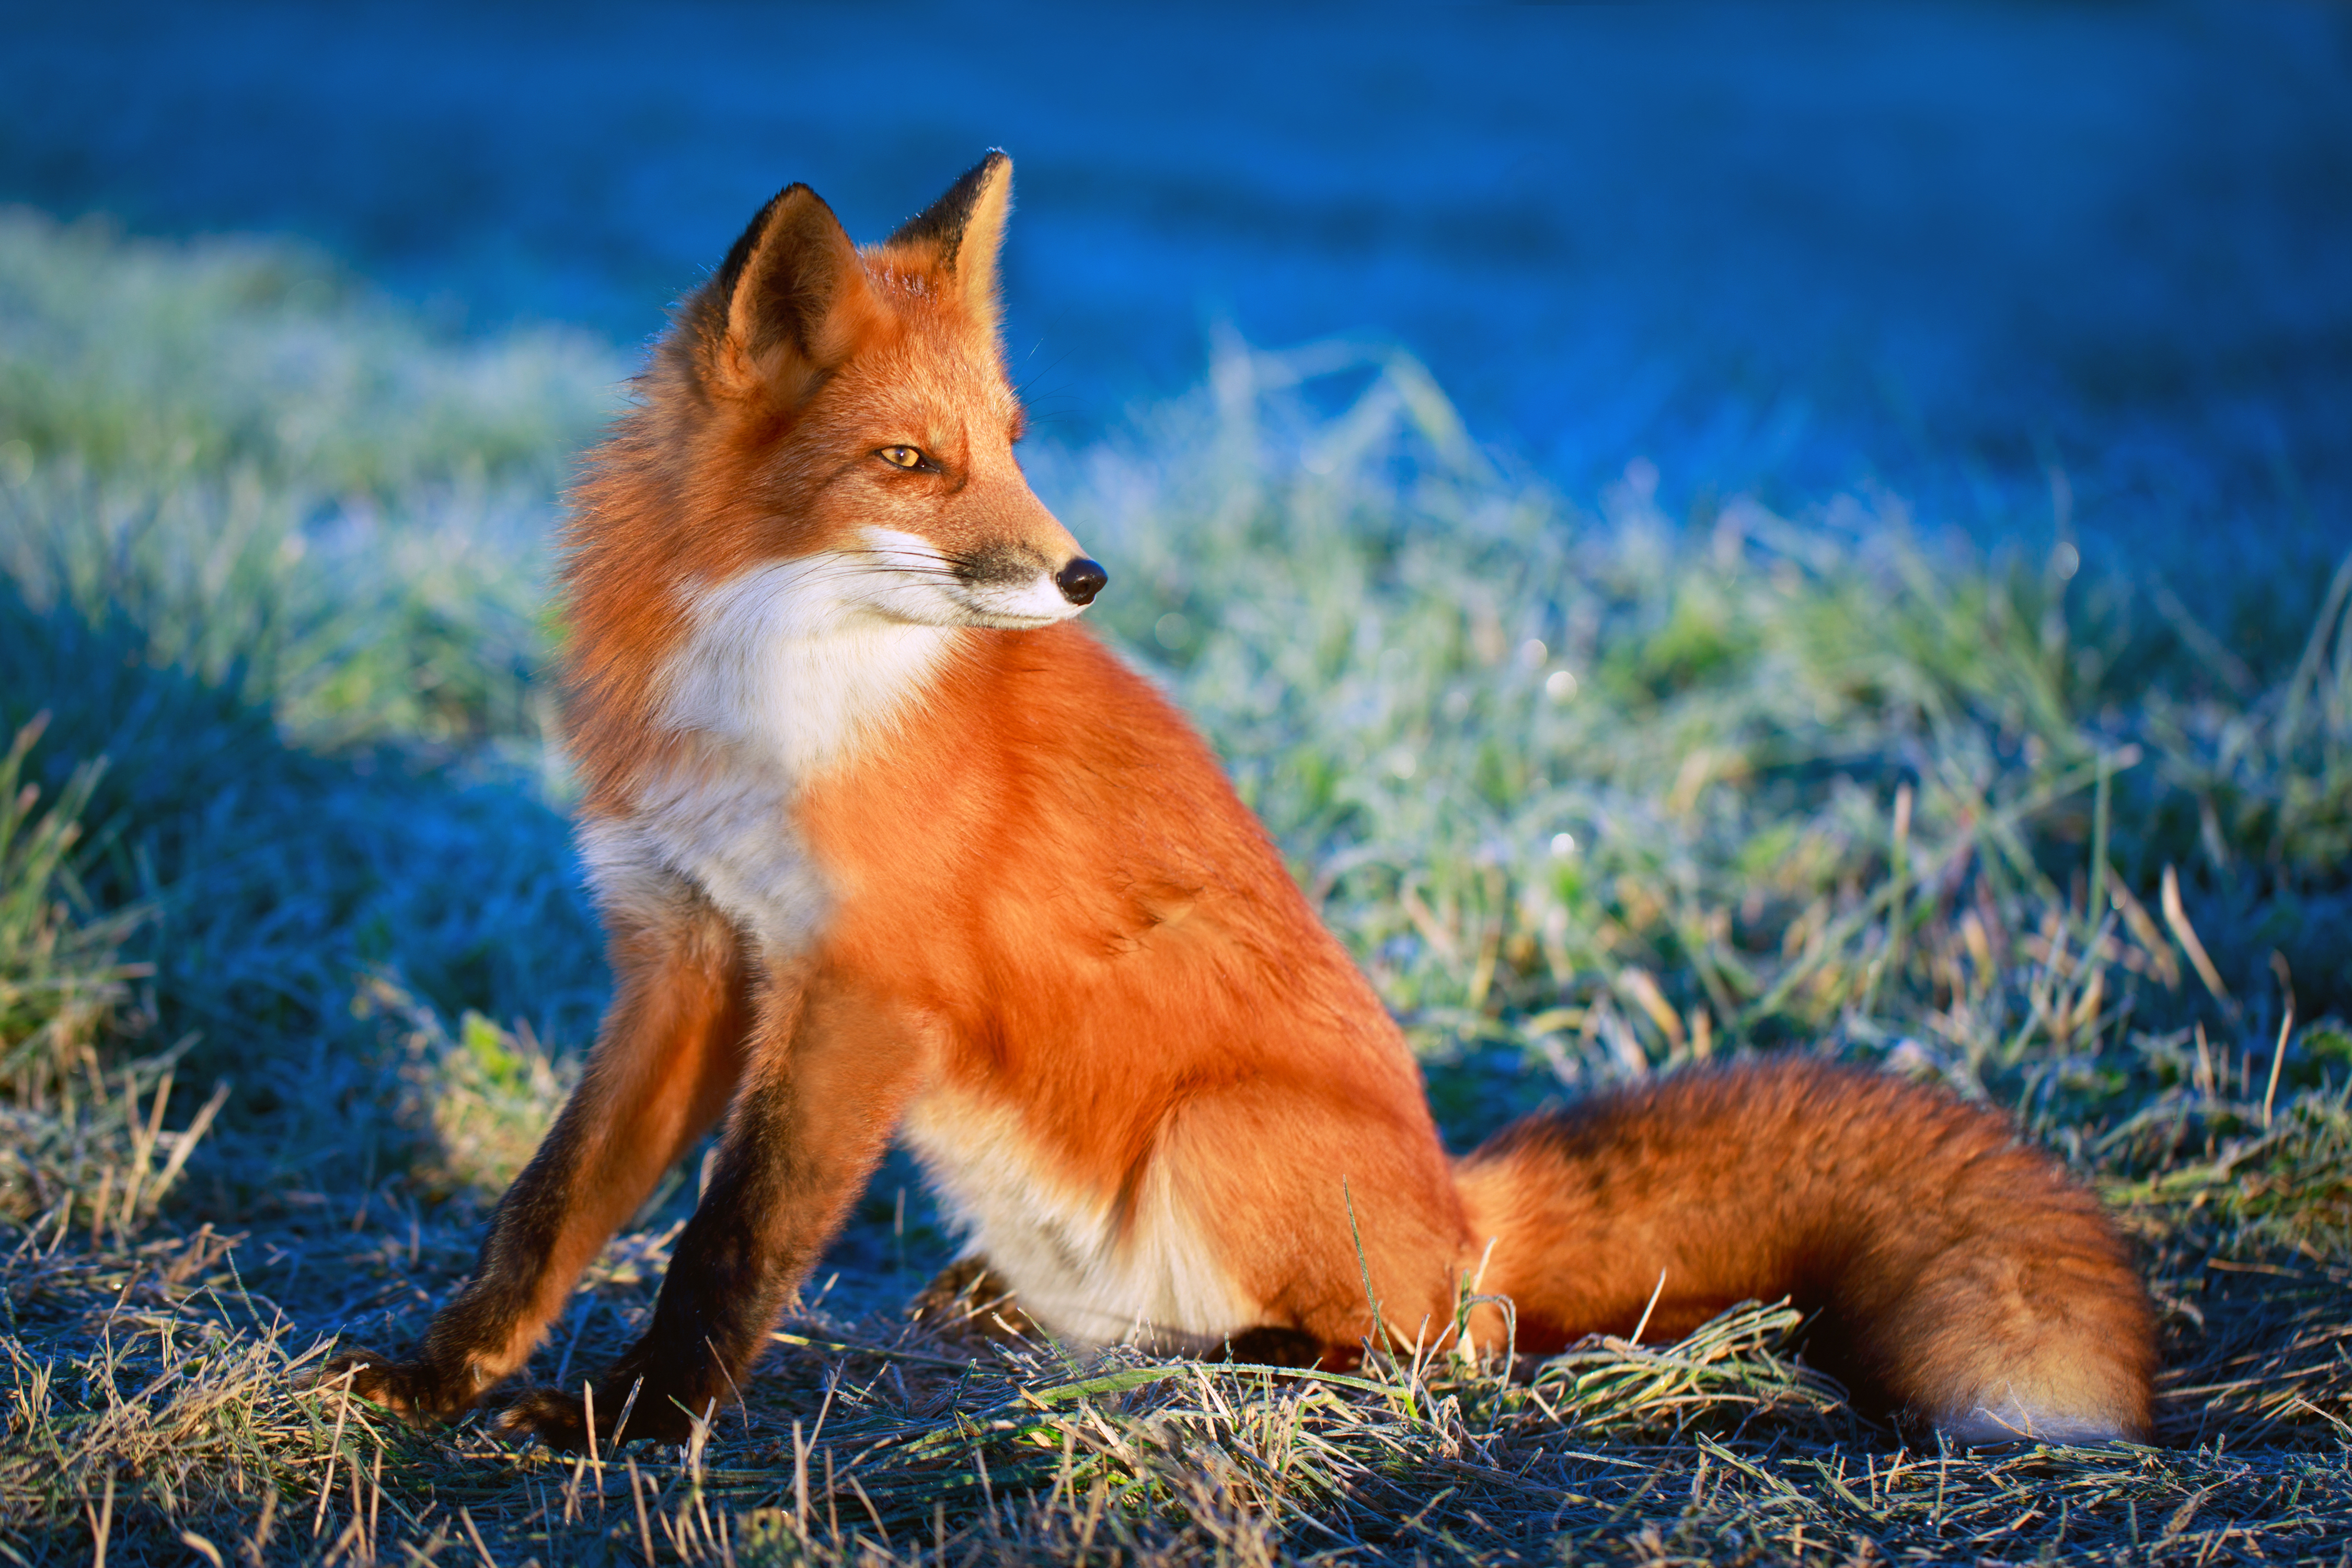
1936, 247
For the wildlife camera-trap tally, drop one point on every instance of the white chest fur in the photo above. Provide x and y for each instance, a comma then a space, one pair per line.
788, 670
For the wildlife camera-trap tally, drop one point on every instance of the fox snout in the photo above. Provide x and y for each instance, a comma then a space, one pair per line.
1022, 585
1080, 578
1011, 563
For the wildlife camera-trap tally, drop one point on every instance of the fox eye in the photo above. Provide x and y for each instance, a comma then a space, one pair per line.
902, 456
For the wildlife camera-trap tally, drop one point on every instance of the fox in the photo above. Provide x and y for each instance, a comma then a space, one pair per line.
886, 845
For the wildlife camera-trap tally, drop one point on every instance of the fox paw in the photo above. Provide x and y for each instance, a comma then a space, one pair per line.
556, 1418
970, 1302
410, 1390
377, 1379
560, 1420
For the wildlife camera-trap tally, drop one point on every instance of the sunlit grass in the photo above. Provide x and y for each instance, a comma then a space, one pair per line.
293, 965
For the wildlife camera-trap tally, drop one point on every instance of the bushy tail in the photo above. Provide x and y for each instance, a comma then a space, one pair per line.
1956, 1273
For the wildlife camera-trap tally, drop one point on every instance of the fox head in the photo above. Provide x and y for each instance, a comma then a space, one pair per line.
852, 405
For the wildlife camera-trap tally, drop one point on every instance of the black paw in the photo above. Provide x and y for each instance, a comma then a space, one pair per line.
970, 1301
416, 1391
378, 1379
560, 1420
1274, 1347
556, 1418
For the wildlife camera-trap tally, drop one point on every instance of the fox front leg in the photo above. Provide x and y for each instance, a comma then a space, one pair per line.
829, 1074
665, 1063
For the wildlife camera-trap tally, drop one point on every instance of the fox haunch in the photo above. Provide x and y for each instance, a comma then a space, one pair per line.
885, 846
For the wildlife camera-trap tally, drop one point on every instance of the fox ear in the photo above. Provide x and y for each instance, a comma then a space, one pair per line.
959, 236
788, 304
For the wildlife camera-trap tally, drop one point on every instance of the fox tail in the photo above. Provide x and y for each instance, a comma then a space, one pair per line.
1953, 1274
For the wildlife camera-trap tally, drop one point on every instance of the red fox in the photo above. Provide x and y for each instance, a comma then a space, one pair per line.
886, 846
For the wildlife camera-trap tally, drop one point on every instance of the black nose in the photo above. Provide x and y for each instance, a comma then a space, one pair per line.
1081, 580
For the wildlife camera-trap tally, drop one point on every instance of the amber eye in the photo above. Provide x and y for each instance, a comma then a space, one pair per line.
901, 456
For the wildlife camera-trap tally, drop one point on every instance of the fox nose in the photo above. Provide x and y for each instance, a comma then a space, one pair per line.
1081, 580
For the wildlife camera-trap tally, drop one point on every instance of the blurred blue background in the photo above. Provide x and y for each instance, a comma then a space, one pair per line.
1939, 248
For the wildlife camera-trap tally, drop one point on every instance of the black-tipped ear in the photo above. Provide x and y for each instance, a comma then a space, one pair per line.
941, 228
789, 300
959, 236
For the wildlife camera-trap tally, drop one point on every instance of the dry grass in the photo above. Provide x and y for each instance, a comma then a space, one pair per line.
290, 983
153, 1397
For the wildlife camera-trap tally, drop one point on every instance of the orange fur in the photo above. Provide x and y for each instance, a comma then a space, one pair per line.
884, 843
1953, 1269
